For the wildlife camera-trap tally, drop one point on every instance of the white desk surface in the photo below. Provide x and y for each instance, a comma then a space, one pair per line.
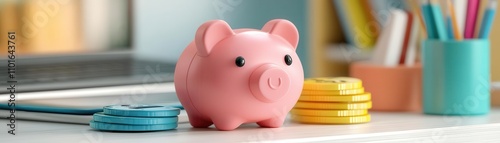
384, 127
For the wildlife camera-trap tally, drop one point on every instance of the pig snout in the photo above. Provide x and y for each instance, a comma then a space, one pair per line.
269, 83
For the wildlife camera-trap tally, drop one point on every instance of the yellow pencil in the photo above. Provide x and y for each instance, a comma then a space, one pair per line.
454, 25
416, 9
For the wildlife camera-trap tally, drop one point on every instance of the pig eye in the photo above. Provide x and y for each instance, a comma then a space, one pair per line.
288, 60
240, 61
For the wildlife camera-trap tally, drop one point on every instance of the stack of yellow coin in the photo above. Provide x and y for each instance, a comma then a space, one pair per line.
336, 100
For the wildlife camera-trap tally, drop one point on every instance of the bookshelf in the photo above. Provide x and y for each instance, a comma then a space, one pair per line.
324, 29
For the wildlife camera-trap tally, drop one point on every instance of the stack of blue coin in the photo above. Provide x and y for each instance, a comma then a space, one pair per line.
136, 118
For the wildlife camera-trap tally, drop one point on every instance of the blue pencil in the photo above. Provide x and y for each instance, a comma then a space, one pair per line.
487, 22
428, 20
438, 21
449, 27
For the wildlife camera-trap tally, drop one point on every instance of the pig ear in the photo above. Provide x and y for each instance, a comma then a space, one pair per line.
284, 29
209, 34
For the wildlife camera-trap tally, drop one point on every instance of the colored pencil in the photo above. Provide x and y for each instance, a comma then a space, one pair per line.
480, 15
438, 20
453, 20
471, 19
460, 14
430, 27
489, 15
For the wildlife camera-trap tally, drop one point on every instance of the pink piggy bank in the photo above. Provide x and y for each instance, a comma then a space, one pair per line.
229, 77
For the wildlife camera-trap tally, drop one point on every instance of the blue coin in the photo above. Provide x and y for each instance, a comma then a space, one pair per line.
130, 128
178, 106
100, 117
141, 110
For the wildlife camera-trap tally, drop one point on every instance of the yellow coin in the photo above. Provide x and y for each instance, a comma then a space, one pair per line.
333, 92
331, 105
332, 120
325, 113
332, 83
342, 98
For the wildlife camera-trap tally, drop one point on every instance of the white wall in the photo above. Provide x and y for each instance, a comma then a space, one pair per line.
163, 28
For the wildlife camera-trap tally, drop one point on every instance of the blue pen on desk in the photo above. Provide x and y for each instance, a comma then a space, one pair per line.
488, 17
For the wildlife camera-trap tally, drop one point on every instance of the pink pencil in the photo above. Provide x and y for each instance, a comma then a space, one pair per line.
470, 22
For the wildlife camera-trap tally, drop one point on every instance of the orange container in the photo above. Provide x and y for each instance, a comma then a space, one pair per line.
393, 88
495, 97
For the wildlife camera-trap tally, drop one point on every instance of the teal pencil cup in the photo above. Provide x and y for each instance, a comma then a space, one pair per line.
456, 77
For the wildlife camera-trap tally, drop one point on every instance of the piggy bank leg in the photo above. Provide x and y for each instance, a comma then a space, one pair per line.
198, 122
226, 123
275, 122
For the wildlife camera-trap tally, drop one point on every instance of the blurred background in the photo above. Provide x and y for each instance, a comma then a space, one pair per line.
159, 30
86, 54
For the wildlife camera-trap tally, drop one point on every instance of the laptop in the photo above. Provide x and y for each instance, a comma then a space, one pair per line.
87, 75
110, 74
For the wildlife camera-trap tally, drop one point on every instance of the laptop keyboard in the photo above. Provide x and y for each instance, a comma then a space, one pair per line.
39, 74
